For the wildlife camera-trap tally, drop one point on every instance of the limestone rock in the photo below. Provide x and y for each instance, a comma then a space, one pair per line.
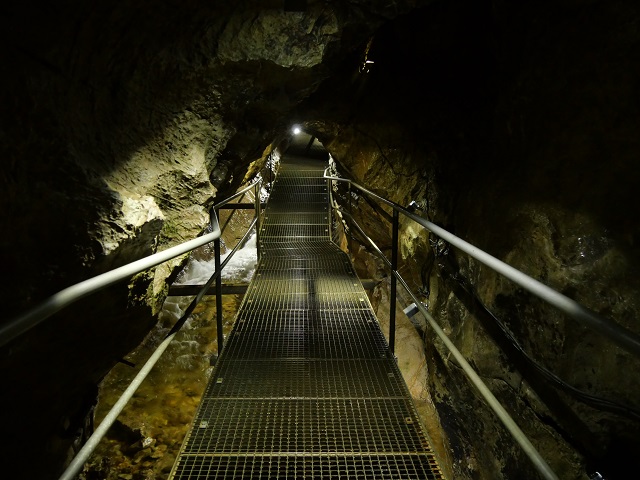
266, 35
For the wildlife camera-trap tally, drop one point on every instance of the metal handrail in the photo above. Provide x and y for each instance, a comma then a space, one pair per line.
29, 319
92, 442
237, 194
539, 462
24, 322
621, 336
520, 437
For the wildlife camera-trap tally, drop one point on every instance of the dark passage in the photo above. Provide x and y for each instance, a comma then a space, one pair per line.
306, 386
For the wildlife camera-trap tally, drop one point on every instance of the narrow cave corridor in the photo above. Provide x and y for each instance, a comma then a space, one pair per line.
513, 125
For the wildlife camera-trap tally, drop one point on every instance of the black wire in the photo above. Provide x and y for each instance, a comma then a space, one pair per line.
592, 400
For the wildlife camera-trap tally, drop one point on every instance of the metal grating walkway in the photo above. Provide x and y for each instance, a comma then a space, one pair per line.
306, 386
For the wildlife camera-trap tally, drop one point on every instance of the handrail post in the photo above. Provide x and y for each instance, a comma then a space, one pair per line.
622, 336
258, 212
540, 464
394, 267
330, 197
216, 251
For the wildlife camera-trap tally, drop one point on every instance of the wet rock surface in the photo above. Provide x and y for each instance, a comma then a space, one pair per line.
146, 438
120, 124
509, 133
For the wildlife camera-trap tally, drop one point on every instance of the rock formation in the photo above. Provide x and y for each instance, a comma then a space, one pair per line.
514, 129
513, 125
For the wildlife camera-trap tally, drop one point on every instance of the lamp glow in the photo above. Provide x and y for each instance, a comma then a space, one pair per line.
296, 130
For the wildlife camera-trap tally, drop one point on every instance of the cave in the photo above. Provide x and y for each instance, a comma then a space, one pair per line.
513, 125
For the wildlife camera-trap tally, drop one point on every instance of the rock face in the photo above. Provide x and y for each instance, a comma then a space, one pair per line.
514, 129
120, 124
513, 125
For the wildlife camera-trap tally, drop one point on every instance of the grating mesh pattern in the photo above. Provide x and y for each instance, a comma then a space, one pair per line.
302, 198
301, 344
296, 219
327, 378
293, 188
304, 250
327, 320
300, 207
306, 386
304, 282
303, 301
285, 233
363, 467
310, 426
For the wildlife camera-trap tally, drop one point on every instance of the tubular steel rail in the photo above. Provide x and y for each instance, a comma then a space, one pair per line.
306, 385
92, 442
21, 324
616, 333
621, 336
26, 321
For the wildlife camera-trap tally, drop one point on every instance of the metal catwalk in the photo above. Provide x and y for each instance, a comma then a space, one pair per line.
306, 386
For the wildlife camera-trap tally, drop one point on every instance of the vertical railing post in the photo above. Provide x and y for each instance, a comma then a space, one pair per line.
394, 267
216, 251
258, 211
330, 198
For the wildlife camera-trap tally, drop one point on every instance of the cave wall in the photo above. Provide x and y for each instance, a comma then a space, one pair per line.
515, 127
121, 122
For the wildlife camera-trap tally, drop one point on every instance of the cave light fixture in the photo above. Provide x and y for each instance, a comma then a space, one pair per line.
296, 130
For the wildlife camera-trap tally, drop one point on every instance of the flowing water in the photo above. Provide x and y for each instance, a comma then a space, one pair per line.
145, 440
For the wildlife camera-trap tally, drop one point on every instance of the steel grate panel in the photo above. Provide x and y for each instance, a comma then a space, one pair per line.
304, 177
317, 274
296, 219
329, 264
301, 169
336, 320
302, 249
361, 467
306, 386
266, 320
294, 188
303, 198
279, 287
300, 343
313, 272
285, 233
274, 284
231, 426
300, 182
302, 166
318, 320
322, 256
306, 379
309, 324
308, 207
303, 301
